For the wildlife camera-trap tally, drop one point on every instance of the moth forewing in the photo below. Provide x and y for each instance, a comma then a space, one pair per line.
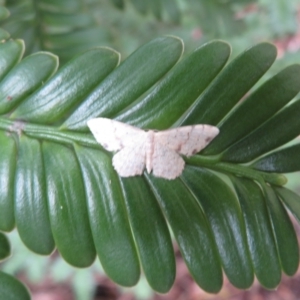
187, 140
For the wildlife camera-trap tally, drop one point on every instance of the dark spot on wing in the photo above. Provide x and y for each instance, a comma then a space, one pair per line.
178, 149
121, 143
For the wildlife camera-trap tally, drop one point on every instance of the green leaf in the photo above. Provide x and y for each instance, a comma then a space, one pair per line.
282, 161
231, 85
12, 289
149, 63
4, 13
76, 41
67, 206
196, 243
7, 173
11, 53
4, 35
63, 91
177, 91
259, 233
291, 200
276, 93
285, 236
223, 213
31, 211
143, 210
4, 247
108, 217
280, 129
26, 77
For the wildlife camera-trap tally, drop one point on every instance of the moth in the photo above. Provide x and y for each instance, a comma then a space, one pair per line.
158, 151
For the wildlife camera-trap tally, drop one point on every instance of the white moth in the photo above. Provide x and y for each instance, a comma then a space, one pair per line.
158, 151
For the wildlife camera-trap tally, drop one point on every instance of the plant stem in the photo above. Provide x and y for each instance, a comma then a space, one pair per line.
52, 133
49, 133
240, 170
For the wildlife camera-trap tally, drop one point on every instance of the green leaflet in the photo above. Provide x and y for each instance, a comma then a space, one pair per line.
151, 234
31, 210
225, 217
7, 174
257, 108
108, 217
122, 88
282, 161
291, 200
231, 85
67, 205
196, 243
11, 53
26, 77
12, 289
4, 35
4, 247
260, 237
178, 90
4, 13
285, 236
76, 41
275, 132
68, 87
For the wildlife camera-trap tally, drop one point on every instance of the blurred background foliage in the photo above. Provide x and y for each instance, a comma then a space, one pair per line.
69, 27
